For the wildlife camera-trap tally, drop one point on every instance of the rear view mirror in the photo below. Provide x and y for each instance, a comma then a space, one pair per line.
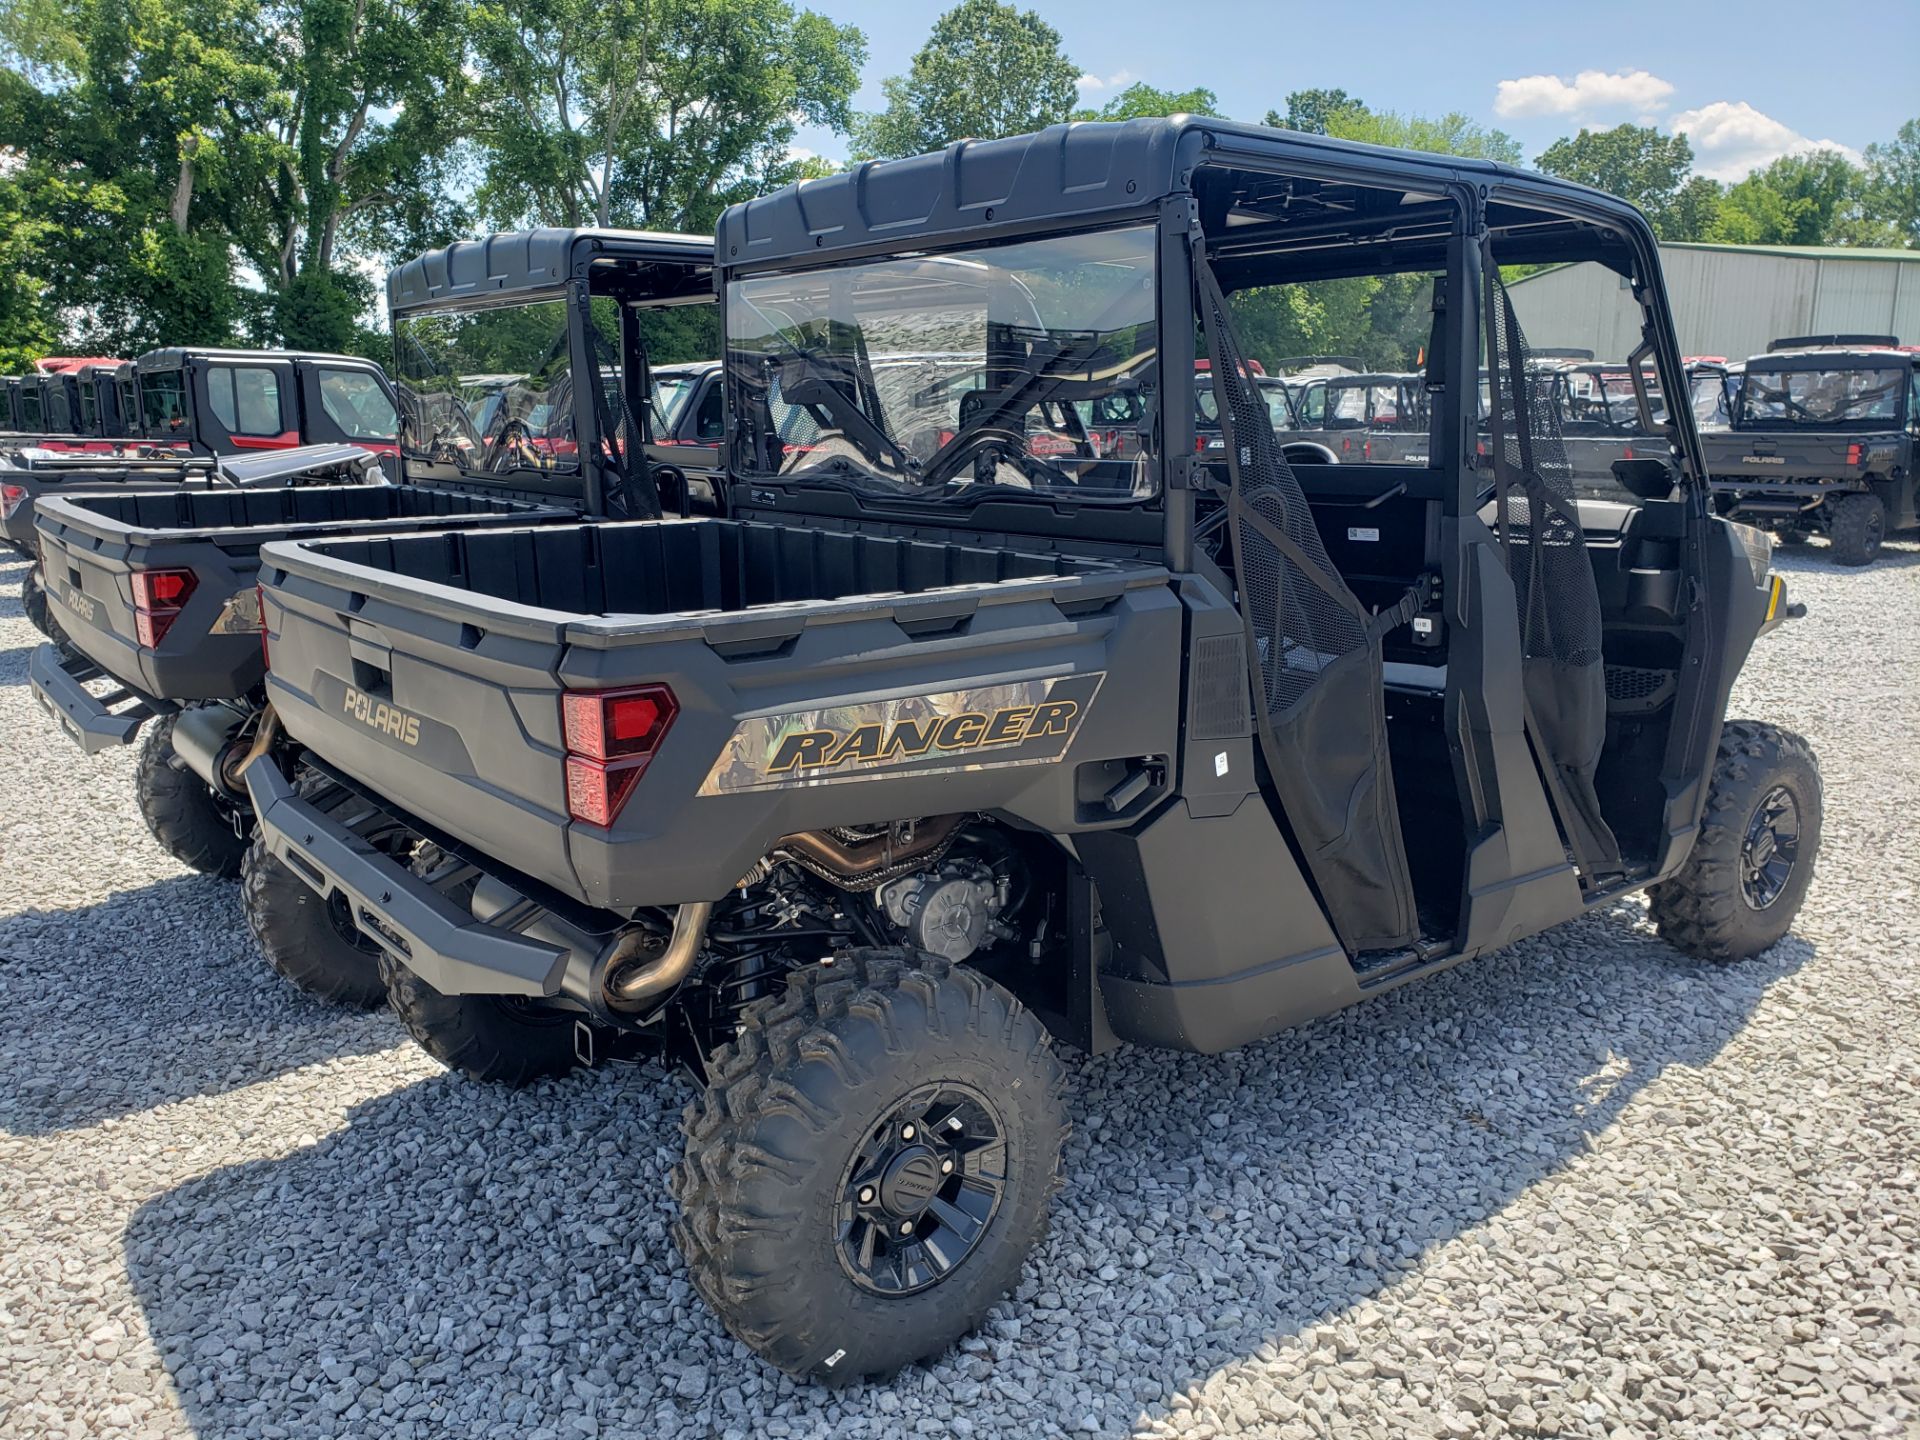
1645, 479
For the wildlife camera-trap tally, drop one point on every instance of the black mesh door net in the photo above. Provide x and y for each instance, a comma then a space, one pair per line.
1314, 659
1541, 539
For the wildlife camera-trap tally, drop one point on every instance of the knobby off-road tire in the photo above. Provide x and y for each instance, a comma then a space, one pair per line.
309, 941
499, 1039
33, 600
1858, 527
798, 1113
1733, 898
180, 808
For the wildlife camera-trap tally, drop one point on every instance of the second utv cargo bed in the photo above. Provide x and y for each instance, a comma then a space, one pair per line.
189, 560
431, 669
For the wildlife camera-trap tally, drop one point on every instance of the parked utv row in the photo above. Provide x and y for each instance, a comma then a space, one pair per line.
975, 702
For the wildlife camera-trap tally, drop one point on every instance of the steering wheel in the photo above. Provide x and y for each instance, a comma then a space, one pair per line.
1012, 447
502, 455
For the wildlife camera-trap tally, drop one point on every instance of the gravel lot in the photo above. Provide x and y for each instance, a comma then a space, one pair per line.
1583, 1187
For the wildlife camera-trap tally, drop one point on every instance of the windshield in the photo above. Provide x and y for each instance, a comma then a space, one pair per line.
670, 394
1709, 389
1822, 397
163, 402
941, 375
488, 390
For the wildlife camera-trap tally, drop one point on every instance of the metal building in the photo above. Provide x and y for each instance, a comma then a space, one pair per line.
1732, 299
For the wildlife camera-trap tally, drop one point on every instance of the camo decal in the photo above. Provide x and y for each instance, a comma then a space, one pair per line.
1025, 722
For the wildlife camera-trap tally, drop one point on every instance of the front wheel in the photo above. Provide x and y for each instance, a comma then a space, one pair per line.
870, 1163
1857, 528
180, 808
310, 942
1748, 874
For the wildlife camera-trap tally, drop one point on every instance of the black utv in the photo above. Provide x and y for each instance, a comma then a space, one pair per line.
153, 594
1823, 438
937, 751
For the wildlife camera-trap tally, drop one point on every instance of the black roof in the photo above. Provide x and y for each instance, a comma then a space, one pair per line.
1838, 357
535, 262
173, 357
1063, 174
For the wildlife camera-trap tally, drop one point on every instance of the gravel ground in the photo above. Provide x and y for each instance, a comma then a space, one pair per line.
1583, 1187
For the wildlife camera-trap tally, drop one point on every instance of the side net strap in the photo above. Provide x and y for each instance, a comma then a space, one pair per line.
1313, 653
1543, 545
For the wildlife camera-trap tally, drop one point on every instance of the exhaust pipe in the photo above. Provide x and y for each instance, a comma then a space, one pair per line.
862, 864
628, 985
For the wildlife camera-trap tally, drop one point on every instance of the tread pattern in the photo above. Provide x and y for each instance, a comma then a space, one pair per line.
477, 1035
1700, 910
768, 1138
1858, 527
33, 600
180, 809
290, 925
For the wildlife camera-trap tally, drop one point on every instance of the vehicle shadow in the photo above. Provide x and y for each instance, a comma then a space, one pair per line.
462, 1253
193, 1009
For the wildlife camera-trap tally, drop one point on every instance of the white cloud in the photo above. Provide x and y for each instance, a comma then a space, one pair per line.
1117, 81
1588, 92
1730, 138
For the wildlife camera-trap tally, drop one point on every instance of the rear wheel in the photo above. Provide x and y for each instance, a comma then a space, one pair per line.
33, 599
870, 1163
1857, 528
181, 810
1748, 874
311, 942
500, 1039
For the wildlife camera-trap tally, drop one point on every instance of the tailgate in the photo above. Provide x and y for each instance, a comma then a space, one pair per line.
448, 702
1785, 457
92, 547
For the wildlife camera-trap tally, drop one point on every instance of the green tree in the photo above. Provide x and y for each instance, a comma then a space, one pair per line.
1644, 167
1890, 191
1449, 134
1142, 101
649, 112
1797, 200
26, 326
1312, 110
166, 142
987, 70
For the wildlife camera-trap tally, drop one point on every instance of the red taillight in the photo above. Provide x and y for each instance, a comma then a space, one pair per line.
610, 736
10, 498
1629, 454
1853, 453
158, 596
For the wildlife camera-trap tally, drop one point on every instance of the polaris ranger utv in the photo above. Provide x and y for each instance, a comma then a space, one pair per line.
1824, 438
936, 745
155, 594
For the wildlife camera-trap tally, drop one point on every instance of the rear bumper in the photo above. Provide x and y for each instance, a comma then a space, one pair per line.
436, 939
89, 720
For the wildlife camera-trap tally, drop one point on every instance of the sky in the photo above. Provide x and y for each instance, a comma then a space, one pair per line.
1745, 82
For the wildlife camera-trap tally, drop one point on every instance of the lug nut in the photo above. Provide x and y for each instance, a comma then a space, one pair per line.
946, 1167
906, 1227
866, 1194
906, 1132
